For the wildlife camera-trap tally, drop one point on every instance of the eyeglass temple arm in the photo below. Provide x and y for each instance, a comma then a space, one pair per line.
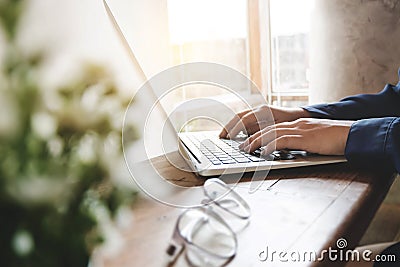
175, 246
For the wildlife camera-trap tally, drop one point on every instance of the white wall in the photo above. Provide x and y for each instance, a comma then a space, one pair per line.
355, 47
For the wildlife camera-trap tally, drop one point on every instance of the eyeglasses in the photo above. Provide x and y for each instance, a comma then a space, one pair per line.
208, 233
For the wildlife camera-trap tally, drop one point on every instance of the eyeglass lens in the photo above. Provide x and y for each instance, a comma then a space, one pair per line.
209, 240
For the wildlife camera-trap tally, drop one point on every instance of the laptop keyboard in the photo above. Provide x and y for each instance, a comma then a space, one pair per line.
223, 151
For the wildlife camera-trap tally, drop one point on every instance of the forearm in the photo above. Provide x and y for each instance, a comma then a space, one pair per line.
383, 104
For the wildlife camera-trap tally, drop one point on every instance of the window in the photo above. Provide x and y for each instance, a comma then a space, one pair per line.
267, 40
208, 30
212, 31
290, 51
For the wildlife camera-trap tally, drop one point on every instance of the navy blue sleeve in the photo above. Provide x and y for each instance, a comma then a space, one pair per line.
375, 142
383, 104
374, 139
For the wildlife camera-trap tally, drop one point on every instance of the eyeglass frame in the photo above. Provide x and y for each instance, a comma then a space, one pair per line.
179, 240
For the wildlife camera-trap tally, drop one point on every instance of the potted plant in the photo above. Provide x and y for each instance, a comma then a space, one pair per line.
57, 149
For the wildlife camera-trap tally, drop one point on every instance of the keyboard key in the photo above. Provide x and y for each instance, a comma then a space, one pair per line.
242, 160
240, 157
223, 151
256, 152
256, 159
223, 157
228, 161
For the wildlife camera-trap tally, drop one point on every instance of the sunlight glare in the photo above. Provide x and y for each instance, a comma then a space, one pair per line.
200, 20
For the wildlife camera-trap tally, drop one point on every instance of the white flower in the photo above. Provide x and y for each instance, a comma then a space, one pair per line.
52, 101
43, 125
36, 189
91, 97
55, 146
87, 149
23, 243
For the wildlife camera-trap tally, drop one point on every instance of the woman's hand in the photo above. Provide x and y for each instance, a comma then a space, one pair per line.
252, 121
326, 137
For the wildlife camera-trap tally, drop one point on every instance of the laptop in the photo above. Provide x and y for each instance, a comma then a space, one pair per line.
207, 154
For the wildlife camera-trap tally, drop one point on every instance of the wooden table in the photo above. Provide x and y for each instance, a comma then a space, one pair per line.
302, 210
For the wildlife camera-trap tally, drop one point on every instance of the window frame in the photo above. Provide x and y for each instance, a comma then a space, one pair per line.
260, 55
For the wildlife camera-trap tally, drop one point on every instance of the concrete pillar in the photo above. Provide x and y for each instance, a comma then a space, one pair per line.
355, 47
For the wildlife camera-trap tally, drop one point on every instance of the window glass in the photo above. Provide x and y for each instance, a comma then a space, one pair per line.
290, 34
211, 31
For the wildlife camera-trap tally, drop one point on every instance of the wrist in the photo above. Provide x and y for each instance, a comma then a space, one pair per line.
304, 113
281, 114
298, 113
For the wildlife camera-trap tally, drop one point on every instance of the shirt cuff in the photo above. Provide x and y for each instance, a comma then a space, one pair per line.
373, 143
321, 111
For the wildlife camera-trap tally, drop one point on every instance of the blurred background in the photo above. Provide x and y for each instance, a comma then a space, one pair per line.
66, 80
64, 187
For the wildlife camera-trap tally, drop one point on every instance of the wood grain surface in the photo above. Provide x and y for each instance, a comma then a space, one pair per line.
297, 210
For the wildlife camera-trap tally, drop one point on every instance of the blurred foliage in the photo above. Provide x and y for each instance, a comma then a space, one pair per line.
56, 152
10, 13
